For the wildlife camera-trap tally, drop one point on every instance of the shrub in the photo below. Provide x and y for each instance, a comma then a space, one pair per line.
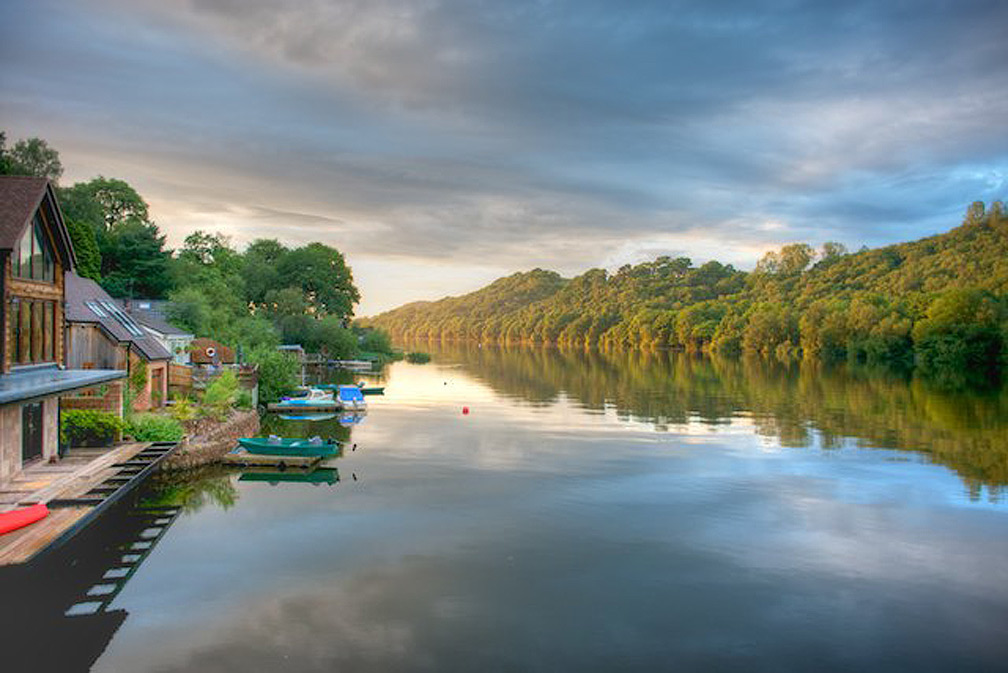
418, 358
220, 395
154, 428
375, 341
244, 400
183, 409
81, 427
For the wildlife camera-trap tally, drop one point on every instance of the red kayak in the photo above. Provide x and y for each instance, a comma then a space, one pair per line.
19, 518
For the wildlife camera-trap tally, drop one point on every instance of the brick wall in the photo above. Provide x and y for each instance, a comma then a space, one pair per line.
106, 397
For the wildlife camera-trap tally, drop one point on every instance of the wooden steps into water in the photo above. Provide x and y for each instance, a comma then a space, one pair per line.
76, 489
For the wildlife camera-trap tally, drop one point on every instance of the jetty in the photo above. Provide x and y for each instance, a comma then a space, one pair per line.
76, 489
243, 458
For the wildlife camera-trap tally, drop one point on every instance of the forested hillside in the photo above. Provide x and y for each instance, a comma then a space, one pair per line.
941, 302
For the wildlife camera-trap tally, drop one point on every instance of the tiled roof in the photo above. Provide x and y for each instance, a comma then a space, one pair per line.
87, 302
20, 197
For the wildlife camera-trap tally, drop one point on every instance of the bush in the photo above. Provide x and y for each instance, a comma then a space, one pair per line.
222, 391
417, 358
244, 400
80, 427
375, 341
183, 409
154, 428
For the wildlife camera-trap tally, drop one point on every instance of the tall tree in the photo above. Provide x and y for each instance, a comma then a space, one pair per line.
134, 261
259, 269
31, 156
86, 248
322, 274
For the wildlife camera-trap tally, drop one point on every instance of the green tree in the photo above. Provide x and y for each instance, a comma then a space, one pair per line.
134, 261
260, 269
86, 249
32, 156
324, 278
278, 373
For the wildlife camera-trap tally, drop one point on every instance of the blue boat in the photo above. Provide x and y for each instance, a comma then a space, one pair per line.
351, 397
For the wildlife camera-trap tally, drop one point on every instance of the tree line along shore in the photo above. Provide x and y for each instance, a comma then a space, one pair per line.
252, 300
939, 304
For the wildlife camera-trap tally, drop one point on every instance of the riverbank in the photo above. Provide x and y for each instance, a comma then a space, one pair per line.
207, 440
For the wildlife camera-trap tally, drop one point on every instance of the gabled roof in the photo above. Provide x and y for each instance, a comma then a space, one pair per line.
87, 302
20, 197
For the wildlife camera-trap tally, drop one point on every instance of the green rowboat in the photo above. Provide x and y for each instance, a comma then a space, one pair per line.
281, 446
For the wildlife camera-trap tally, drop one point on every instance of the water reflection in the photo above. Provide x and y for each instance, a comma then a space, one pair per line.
316, 477
58, 612
798, 406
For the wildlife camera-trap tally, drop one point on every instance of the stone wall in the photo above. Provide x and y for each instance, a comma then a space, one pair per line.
10, 441
207, 440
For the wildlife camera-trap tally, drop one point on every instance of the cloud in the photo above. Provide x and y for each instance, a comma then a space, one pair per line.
523, 133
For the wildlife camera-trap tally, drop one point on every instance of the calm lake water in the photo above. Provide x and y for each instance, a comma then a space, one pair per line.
591, 512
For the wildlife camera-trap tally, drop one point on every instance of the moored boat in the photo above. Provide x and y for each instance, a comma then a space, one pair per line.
351, 398
287, 446
309, 397
305, 400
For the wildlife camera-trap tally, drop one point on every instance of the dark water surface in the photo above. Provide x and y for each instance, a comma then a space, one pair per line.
591, 513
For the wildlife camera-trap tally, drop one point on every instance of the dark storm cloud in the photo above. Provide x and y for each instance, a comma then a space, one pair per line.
519, 131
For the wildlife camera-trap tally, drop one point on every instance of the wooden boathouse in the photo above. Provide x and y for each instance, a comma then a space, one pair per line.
35, 255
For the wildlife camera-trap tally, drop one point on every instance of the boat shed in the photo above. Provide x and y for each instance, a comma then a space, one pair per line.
35, 252
102, 335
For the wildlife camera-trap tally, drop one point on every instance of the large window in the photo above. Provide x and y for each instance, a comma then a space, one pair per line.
33, 259
32, 331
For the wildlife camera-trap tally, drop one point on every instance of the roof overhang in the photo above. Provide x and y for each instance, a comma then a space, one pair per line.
31, 383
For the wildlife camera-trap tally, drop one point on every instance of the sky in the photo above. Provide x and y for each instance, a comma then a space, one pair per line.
440, 144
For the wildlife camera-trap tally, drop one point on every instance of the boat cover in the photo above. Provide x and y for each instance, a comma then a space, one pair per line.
350, 394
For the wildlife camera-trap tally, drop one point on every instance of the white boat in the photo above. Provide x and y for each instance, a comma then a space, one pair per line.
312, 397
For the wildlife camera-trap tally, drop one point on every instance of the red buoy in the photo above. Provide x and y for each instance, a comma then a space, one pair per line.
465, 411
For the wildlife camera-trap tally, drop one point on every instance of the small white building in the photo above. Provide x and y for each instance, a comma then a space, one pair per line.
149, 314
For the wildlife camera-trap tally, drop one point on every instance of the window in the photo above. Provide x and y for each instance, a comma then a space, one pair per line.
33, 258
33, 331
49, 322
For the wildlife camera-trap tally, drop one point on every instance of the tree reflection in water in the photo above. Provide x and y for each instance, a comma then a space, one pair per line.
799, 405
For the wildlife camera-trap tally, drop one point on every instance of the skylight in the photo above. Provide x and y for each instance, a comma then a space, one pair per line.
97, 310
123, 319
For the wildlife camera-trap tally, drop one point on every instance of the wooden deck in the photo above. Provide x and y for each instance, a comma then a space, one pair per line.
77, 488
246, 459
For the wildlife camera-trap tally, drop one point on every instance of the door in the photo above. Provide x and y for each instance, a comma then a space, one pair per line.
31, 431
